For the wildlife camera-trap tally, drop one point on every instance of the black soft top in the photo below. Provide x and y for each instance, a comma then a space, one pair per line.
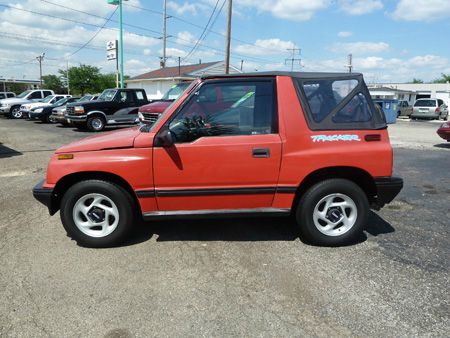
298, 75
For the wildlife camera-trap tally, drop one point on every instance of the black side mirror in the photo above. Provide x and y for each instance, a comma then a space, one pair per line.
164, 139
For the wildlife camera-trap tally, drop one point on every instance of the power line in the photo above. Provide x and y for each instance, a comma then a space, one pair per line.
203, 32
95, 35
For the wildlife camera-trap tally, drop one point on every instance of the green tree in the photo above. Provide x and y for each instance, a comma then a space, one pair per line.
54, 83
83, 79
417, 81
106, 81
445, 78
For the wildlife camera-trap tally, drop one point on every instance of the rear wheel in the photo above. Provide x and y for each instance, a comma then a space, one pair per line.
15, 113
333, 212
96, 123
97, 213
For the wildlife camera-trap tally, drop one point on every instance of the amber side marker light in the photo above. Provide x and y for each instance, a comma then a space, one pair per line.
65, 156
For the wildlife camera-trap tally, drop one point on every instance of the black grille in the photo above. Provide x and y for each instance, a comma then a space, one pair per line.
150, 117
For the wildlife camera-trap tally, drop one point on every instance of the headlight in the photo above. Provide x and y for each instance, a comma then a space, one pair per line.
5, 104
38, 110
78, 109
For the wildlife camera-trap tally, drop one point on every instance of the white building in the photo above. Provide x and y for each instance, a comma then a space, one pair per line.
411, 91
157, 82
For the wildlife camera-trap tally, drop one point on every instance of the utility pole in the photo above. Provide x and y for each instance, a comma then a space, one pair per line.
242, 64
163, 60
350, 63
40, 58
227, 56
68, 81
119, 3
179, 66
292, 60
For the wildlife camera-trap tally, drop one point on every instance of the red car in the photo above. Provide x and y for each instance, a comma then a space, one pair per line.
311, 145
150, 112
444, 131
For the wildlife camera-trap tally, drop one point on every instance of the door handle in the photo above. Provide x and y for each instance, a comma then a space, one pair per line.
261, 152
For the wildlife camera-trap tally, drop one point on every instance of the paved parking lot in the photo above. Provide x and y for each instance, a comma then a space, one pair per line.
226, 277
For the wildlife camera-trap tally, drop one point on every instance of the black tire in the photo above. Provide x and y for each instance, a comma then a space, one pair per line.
96, 123
15, 113
306, 208
45, 119
120, 197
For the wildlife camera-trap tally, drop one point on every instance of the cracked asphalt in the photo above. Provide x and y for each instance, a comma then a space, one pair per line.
226, 278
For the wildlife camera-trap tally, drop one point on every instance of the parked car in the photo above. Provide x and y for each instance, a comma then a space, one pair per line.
429, 109
233, 146
44, 112
59, 114
11, 107
404, 108
444, 131
150, 112
6, 95
48, 101
113, 107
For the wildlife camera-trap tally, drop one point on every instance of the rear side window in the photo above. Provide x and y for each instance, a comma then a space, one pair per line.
341, 103
35, 95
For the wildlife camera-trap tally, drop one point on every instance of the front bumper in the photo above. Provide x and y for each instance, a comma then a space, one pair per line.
34, 115
4, 110
57, 118
444, 133
76, 118
387, 189
44, 195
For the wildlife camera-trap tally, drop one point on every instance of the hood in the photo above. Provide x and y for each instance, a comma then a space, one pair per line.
123, 138
36, 104
14, 100
90, 104
155, 107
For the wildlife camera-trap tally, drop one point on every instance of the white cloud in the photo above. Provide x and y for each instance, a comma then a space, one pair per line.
375, 68
422, 10
344, 34
265, 47
359, 7
360, 48
295, 10
182, 9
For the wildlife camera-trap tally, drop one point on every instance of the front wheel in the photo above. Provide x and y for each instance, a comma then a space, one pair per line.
96, 123
15, 113
97, 213
333, 212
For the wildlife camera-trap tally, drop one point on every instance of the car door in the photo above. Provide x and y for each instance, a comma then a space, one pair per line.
227, 149
35, 96
126, 107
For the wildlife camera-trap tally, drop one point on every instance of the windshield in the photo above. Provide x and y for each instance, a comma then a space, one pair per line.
107, 95
25, 93
176, 91
85, 98
425, 103
48, 98
62, 101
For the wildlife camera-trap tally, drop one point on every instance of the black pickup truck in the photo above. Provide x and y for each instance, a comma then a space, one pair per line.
113, 106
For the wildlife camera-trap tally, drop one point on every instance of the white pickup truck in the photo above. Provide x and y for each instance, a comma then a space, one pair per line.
11, 107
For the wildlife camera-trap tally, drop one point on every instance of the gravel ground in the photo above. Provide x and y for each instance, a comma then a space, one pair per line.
226, 278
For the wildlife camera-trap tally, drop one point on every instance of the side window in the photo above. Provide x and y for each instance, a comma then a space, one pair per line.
440, 102
35, 95
10, 95
126, 97
140, 95
357, 110
47, 93
226, 109
2, 96
324, 95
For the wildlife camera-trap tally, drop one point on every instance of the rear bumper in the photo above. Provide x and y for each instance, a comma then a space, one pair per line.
425, 115
387, 189
44, 195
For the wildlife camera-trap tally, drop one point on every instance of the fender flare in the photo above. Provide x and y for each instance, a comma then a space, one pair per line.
97, 112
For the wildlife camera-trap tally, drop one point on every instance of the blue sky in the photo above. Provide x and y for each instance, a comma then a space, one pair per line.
390, 40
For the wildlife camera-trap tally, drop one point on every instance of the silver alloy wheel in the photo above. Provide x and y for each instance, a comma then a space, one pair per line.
16, 113
97, 123
335, 214
95, 215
